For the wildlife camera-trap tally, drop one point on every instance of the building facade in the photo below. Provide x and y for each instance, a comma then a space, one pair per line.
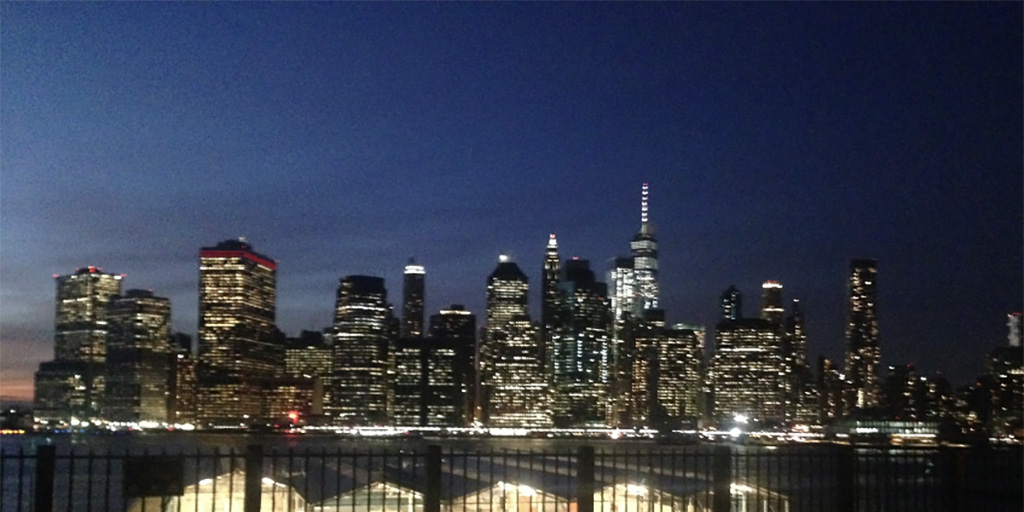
863, 353
138, 357
413, 297
363, 327
747, 373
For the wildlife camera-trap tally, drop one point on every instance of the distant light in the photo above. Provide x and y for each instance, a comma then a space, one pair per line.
741, 418
735, 432
502, 258
415, 269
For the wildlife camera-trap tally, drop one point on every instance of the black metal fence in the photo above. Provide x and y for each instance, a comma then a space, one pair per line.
642, 478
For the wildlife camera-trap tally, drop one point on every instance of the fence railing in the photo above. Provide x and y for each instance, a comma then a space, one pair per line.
641, 478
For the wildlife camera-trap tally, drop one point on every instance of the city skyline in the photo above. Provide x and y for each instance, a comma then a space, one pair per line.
344, 148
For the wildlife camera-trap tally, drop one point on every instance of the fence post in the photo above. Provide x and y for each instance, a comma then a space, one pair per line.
846, 479
432, 492
722, 479
955, 478
253, 477
46, 460
585, 479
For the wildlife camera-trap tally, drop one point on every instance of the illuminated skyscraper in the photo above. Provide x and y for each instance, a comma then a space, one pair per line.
512, 381
551, 304
862, 350
582, 351
238, 344
362, 331
680, 374
732, 304
747, 373
413, 296
645, 259
771, 302
138, 362
794, 358
72, 384
456, 328
1015, 329
237, 307
623, 293
80, 332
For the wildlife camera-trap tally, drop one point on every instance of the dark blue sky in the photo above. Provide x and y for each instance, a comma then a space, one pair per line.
781, 140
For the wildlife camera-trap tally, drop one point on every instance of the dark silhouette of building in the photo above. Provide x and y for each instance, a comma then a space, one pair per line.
731, 303
138, 363
456, 328
581, 366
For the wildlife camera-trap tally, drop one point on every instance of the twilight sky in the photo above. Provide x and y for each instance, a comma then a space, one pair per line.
780, 140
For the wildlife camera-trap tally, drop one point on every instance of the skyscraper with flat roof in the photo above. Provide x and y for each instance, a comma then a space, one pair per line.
413, 297
363, 328
71, 385
771, 302
747, 371
863, 354
238, 341
237, 309
138, 362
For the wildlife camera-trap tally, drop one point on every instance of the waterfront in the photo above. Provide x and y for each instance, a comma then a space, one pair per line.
329, 471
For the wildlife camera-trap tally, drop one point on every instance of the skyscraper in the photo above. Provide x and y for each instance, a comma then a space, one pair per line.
362, 331
731, 303
747, 371
794, 358
413, 296
80, 333
862, 350
645, 259
456, 328
771, 302
238, 341
72, 384
582, 352
512, 381
237, 309
551, 303
138, 362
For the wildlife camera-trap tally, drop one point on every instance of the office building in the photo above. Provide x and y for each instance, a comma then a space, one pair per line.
801, 403
862, 350
771, 302
644, 249
515, 394
747, 373
363, 327
413, 297
456, 328
182, 388
71, 386
551, 304
238, 340
138, 357
731, 304
309, 356
581, 366
680, 375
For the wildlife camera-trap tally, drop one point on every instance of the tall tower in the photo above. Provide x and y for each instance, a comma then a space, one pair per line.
80, 332
551, 305
862, 351
138, 362
237, 309
645, 259
516, 394
771, 302
582, 354
362, 330
71, 385
237, 342
732, 303
413, 293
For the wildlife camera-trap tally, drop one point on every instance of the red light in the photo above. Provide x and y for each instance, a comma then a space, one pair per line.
293, 415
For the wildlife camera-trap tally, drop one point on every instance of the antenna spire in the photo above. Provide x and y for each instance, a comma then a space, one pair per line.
643, 205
